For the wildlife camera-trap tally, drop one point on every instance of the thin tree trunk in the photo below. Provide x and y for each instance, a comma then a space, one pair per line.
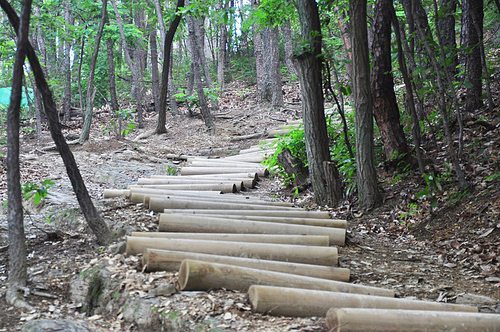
171, 89
17, 247
128, 60
96, 224
90, 81
271, 76
446, 24
205, 111
67, 64
155, 75
221, 61
287, 43
369, 195
199, 31
443, 110
324, 175
112, 84
345, 27
79, 79
415, 127
257, 50
473, 10
167, 46
385, 107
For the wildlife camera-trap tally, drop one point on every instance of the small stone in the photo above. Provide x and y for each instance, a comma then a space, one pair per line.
468, 298
118, 248
228, 316
163, 290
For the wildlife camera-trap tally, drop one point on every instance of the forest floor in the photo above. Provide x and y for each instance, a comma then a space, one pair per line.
450, 253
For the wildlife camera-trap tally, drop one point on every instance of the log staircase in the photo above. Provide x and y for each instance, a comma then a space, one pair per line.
285, 257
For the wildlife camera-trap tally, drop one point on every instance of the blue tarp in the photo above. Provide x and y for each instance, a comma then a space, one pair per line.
5, 97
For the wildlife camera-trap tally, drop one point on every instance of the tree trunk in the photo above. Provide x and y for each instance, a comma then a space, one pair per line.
97, 225
345, 26
293, 167
155, 75
473, 10
135, 75
446, 24
443, 108
368, 193
167, 46
287, 43
112, 84
205, 111
67, 63
385, 107
315, 132
409, 89
140, 55
199, 33
271, 76
221, 61
17, 246
89, 102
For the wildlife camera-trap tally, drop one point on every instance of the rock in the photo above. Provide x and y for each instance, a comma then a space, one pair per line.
143, 312
163, 290
118, 248
48, 325
468, 298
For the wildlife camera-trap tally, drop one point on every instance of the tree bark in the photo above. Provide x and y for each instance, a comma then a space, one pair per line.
205, 111
443, 108
155, 75
221, 61
89, 102
96, 224
257, 50
446, 25
415, 127
135, 75
385, 107
112, 84
473, 11
271, 76
315, 132
167, 46
288, 46
67, 63
368, 193
17, 247
293, 167
199, 33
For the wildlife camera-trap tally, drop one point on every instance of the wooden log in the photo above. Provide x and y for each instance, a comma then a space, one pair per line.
164, 183
167, 260
111, 193
256, 157
269, 251
222, 163
237, 176
290, 302
136, 197
337, 223
178, 156
223, 170
279, 132
170, 222
158, 205
249, 136
154, 189
221, 187
259, 149
373, 320
296, 213
304, 240
202, 276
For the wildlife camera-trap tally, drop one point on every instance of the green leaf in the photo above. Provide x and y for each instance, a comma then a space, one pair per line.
37, 198
434, 202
